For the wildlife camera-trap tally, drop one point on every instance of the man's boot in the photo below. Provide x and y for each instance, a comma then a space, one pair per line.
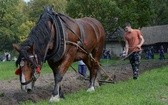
135, 74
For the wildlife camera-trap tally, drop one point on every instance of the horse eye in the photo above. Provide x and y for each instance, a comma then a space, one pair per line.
30, 64
22, 63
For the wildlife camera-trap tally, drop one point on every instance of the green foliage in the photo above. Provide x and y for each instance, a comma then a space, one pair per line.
33, 11
24, 30
114, 13
11, 16
105, 11
35, 7
160, 9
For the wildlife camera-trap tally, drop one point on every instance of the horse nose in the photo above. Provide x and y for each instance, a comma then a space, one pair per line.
29, 90
29, 87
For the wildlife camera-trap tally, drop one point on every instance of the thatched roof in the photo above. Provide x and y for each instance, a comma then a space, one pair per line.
155, 34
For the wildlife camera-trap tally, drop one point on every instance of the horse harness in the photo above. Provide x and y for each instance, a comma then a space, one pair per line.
36, 69
60, 47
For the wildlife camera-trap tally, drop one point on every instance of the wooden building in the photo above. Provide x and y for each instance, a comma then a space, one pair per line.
155, 36
115, 42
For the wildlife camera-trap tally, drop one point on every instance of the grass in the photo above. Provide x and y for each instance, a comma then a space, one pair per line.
7, 69
151, 88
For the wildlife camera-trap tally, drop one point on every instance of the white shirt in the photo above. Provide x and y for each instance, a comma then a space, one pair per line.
81, 62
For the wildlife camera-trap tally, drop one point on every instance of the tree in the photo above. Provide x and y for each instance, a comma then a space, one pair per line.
35, 7
144, 12
160, 9
106, 11
11, 17
114, 13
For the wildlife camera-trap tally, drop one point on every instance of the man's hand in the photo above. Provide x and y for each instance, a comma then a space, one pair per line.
124, 53
139, 46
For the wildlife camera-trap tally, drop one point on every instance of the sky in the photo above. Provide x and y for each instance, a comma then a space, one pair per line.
26, 0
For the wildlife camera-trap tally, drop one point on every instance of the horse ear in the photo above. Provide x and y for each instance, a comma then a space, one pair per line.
16, 47
32, 49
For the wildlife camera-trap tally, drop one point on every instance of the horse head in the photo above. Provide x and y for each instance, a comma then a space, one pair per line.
33, 50
28, 67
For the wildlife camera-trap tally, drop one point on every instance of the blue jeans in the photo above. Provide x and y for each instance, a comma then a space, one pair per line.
82, 70
135, 62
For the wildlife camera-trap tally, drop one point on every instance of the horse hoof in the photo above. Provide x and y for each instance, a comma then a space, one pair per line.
91, 89
54, 99
97, 84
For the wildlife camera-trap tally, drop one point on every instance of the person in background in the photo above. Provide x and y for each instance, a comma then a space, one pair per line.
7, 56
133, 42
152, 52
161, 53
82, 68
148, 55
105, 54
108, 53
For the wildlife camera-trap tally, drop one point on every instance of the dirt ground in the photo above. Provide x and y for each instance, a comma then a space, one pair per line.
11, 94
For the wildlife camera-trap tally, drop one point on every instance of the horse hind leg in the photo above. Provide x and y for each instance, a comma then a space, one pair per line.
93, 78
93, 68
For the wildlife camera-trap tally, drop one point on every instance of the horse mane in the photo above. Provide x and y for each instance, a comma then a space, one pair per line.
39, 36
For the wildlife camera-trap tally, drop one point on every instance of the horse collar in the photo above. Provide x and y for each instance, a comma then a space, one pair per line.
60, 44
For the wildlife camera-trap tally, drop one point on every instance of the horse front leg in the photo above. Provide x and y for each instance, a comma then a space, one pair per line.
57, 93
58, 76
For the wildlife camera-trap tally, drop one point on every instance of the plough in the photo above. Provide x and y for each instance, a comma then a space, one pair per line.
106, 78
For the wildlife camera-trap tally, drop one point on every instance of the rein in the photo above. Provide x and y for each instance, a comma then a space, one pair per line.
78, 46
89, 54
67, 26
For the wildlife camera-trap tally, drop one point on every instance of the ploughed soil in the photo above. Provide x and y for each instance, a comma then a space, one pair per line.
11, 94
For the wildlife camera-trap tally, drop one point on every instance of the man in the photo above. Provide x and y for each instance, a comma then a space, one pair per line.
161, 53
152, 52
133, 42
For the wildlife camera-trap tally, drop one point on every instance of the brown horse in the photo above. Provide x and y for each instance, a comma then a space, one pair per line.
61, 41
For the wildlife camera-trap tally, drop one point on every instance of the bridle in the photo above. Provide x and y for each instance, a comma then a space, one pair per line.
34, 67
